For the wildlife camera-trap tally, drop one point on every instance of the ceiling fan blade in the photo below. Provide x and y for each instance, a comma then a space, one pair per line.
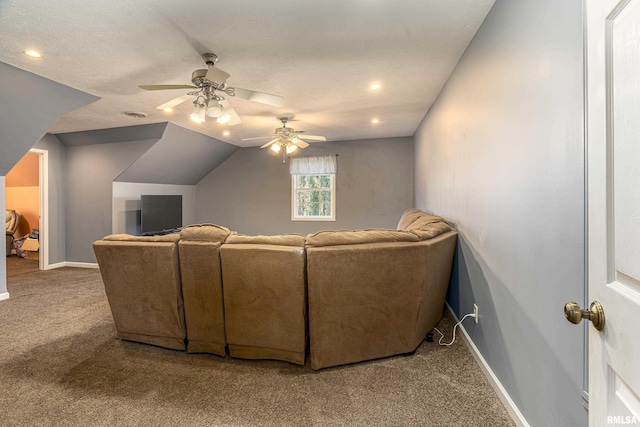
217, 76
165, 87
264, 98
256, 137
313, 137
300, 143
227, 108
174, 102
270, 142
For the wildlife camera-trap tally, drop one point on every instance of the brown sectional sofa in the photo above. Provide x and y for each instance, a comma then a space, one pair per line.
351, 295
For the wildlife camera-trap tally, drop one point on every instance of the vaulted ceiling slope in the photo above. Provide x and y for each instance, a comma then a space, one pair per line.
175, 155
29, 106
321, 56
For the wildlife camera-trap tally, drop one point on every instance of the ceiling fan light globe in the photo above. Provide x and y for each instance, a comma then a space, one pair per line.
291, 148
214, 111
275, 148
224, 117
198, 115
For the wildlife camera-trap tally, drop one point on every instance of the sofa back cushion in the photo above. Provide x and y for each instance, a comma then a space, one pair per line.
205, 232
424, 225
277, 240
358, 237
170, 238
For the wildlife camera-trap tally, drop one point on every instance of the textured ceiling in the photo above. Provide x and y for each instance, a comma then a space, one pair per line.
320, 56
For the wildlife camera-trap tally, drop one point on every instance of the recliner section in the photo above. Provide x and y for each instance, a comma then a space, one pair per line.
265, 297
375, 297
351, 295
141, 278
201, 275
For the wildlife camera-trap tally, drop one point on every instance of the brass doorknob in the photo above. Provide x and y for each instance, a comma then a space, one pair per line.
595, 314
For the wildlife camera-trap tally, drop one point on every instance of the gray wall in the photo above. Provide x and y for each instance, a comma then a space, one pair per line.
501, 154
251, 191
91, 170
57, 168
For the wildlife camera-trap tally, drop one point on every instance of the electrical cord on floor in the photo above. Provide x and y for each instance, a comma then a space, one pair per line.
454, 331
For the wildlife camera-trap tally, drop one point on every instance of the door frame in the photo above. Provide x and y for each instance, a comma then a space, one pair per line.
43, 177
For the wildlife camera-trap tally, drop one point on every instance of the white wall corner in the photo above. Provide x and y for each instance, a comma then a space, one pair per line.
504, 397
4, 296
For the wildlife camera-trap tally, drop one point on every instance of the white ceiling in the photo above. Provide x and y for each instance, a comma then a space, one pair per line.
321, 56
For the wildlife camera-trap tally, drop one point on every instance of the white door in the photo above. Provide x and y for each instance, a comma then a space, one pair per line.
613, 170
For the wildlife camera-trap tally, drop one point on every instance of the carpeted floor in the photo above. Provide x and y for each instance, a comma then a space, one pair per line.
61, 365
17, 265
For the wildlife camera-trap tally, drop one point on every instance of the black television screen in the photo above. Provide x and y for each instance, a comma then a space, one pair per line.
159, 213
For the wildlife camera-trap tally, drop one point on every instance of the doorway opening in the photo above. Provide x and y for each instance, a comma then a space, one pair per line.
26, 192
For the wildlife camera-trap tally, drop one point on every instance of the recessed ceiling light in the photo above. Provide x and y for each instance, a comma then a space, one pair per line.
226, 133
375, 86
375, 121
168, 110
136, 114
33, 53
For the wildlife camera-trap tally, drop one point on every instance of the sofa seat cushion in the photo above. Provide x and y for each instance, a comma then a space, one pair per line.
358, 237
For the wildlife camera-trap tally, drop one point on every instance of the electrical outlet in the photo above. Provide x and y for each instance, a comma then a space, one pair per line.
475, 313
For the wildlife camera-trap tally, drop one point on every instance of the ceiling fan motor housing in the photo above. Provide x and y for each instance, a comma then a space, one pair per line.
284, 131
198, 77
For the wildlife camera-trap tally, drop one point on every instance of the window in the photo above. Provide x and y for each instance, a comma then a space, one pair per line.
313, 188
313, 197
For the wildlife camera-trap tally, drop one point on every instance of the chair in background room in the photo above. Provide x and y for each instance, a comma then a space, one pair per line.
12, 219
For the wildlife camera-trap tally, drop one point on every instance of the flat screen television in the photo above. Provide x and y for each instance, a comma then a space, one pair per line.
160, 212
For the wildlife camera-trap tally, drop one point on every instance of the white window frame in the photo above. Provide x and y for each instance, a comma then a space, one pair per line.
294, 200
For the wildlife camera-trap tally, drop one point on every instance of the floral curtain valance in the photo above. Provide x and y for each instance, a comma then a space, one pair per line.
320, 165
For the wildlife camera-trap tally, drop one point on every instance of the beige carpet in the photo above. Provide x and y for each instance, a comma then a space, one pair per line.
61, 365
17, 265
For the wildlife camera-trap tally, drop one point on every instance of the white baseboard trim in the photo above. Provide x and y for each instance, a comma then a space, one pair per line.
4, 296
72, 264
54, 266
504, 397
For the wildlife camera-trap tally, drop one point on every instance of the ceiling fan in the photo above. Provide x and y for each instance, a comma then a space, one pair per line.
209, 98
287, 139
